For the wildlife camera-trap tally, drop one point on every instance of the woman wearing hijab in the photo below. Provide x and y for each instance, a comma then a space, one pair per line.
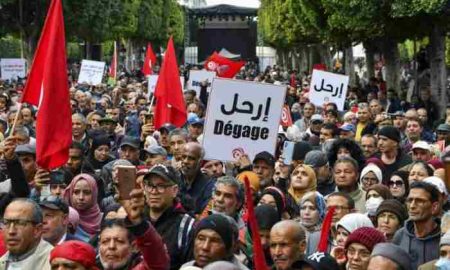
312, 211
99, 152
82, 194
274, 197
375, 195
303, 179
399, 185
370, 175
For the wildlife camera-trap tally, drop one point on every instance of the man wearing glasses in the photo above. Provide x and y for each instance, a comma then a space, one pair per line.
22, 231
166, 213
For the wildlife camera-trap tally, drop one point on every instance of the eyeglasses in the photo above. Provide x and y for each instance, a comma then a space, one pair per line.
398, 183
159, 188
368, 180
19, 223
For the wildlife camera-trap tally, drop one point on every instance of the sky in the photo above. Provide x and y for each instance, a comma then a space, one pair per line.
244, 3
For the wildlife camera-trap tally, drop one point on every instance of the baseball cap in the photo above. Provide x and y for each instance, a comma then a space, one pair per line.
167, 173
156, 150
421, 145
265, 156
316, 118
55, 203
318, 261
24, 149
443, 128
438, 183
348, 127
130, 141
316, 159
167, 127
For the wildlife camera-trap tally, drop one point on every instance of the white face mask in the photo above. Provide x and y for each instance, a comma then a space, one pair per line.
372, 205
443, 264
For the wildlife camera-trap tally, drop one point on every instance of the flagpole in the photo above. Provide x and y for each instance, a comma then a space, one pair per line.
16, 118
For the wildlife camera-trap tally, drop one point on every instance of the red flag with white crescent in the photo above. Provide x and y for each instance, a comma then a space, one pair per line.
149, 62
224, 67
286, 119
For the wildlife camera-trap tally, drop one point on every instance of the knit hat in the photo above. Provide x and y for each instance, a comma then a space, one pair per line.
365, 236
221, 225
353, 221
391, 132
445, 239
99, 141
383, 190
393, 253
300, 150
316, 159
253, 178
395, 207
266, 216
76, 251
372, 168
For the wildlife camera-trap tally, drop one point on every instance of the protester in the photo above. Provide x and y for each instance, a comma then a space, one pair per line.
388, 256
73, 255
287, 244
390, 217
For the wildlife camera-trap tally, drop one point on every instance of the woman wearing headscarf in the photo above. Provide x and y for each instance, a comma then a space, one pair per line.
375, 195
399, 185
303, 179
312, 212
82, 194
99, 152
370, 175
274, 197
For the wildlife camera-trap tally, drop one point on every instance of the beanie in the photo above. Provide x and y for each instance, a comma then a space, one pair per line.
391, 132
221, 225
365, 236
300, 150
393, 253
76, 251
395, 207
99, 141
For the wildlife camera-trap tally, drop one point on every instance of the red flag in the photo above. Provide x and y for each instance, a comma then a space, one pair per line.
150, 60
47, 87
320, 67
113, 67
259, 261
325, 232
286, 119
223, 66
170, 106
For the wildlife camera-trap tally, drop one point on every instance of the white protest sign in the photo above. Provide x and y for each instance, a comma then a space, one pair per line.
242, 117
153, 79
198, 76
11, 68
328, 87
91, 72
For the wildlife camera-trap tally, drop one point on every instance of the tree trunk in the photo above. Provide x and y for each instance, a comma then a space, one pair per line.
370, 61
349, 65
437, 67
314, 56
304, 63
326, 57
392, 61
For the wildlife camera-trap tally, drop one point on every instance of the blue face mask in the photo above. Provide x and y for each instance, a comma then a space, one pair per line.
443, 264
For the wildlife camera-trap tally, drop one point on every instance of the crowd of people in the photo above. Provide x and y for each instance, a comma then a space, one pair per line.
366, 188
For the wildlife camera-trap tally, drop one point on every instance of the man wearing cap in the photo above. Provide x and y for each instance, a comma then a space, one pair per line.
421, 151
164, 131
347, 131
195, 186
318, 160
390, 153
155, 155
195, 127
54, 226
215, 238
421, 234
73, 255
443, 133
26, 153
388, 256
314, 129
166, 213
109, 125
129, 150
264, 167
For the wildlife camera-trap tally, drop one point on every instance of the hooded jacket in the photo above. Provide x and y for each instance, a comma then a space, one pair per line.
421, 250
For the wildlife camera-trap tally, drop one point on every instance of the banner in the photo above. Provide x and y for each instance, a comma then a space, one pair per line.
328, 87
153, 79
11, 68
242, 117
91, 72
198, 76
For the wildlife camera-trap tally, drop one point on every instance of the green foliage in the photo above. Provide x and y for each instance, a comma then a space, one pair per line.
9, 47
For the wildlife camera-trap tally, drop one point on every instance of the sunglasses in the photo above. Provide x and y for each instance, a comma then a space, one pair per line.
397, 183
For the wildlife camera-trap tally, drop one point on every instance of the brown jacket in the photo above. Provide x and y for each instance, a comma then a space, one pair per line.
428, 266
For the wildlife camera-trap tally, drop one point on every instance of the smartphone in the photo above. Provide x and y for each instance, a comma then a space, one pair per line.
126, 181
149, 119
288, 152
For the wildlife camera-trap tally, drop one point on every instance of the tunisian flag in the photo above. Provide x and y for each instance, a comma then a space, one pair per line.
223, 66
47, 88
150, 60
170, 106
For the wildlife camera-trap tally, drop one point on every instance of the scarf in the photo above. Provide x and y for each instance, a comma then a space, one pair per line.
91, 217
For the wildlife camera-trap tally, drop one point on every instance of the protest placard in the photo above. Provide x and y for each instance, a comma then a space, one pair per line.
198, 76
11, 68
242, 117
328, 87
91, 72
153, 79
